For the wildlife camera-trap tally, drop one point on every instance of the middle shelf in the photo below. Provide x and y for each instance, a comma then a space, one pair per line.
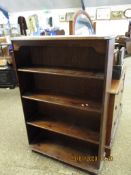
66, 101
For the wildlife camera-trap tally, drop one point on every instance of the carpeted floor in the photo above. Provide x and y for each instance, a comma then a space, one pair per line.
17, 159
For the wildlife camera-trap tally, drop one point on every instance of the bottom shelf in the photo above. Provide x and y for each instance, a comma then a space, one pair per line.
69, 151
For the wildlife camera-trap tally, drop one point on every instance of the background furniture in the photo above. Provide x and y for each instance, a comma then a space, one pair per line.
7, 72
114, 111
82, 24
115, 98
22, 24
64, 85
125, 40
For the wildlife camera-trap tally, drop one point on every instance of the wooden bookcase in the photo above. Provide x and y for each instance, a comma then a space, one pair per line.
64, 84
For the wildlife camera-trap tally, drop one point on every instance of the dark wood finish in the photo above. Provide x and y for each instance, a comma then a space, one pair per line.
59, 113
63, 72
71, 130
110, 135
45, 56
63, 153
114, 110
70, 27
67, 151
71, 102
116, 84
108, 68
64, 85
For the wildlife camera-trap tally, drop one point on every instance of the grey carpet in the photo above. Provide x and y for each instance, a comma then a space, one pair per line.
17, 159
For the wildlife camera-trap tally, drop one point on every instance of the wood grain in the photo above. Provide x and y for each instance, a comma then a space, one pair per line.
63, 72
68, 129
62, 100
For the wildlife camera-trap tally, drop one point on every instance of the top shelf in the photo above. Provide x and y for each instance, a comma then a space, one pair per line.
63, 72
69, 37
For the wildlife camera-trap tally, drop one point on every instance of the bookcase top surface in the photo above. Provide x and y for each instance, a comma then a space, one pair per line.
69, 37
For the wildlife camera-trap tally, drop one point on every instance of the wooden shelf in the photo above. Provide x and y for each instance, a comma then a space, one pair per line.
115, 85
67, 129
66, 101
68, 153
63, 72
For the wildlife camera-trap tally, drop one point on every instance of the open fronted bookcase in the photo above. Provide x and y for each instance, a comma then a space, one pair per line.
64, 84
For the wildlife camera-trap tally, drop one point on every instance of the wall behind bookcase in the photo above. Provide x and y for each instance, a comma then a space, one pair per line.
103, 27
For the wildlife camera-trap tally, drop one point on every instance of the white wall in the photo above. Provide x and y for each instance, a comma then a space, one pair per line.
103, 27
110, 27
43, 15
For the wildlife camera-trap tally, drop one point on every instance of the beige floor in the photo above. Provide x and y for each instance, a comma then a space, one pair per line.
17, 159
